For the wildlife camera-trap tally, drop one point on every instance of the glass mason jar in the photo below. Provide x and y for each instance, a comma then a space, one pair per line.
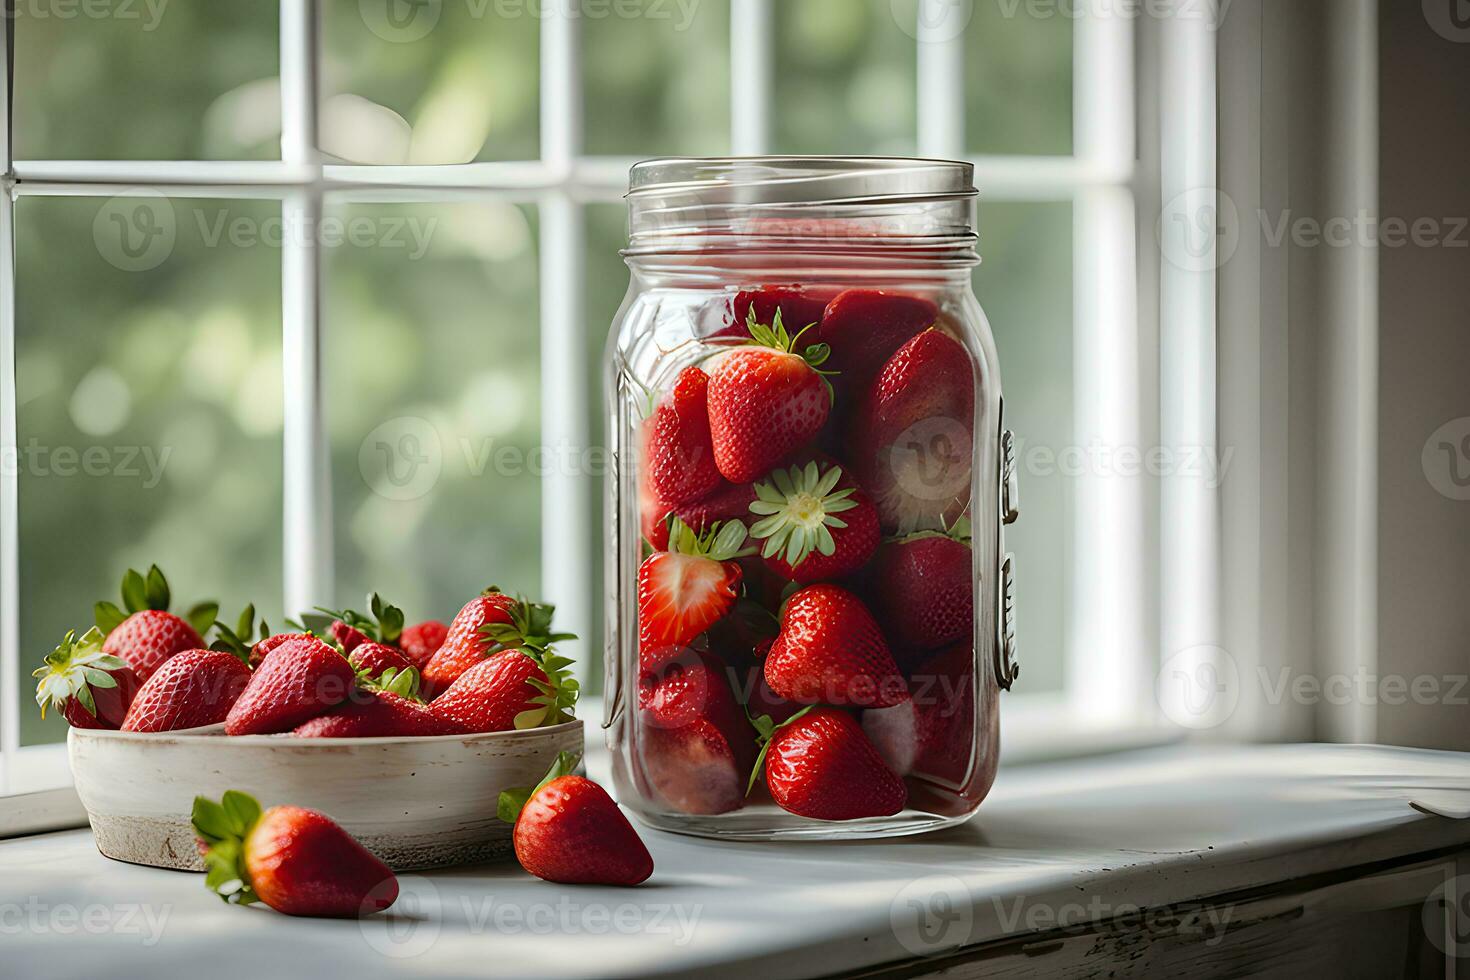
808, 591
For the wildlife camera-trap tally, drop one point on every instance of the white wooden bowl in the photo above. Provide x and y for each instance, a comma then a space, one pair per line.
414, 802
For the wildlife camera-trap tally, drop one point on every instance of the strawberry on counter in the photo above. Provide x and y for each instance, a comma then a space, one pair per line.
297, 861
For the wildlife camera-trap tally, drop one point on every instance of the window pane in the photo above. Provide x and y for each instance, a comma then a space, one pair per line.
1025, 285
657, 78
845, 78
432, 356
149, 80
432, 82
149, 409
1018, 79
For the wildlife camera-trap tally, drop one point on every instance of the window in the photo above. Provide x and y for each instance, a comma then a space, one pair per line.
345, 271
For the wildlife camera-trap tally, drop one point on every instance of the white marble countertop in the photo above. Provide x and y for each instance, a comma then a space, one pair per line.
1056, 844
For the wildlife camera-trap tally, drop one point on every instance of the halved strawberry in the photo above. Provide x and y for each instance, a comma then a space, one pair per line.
933, 733
91, 688
686, 590
805, 538
511, 690
297, 681
422, 640
831, 650
912, 440
820, 765
148, 634
923, 588
765, 400
697, 746
378, 713
865, 326
678, 453
489, 623
295, 860
190, 689
568, 830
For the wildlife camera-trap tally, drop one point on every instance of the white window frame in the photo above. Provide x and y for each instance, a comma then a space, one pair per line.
1114, 643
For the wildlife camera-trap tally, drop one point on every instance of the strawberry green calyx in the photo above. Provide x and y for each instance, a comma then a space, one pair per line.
775, 335
75, 667
557, 694
512, 801
142, 591
766, 729
958, 531
402, 682
384, 624
237, 641
223, 827
721, 541
798, 509
529, 628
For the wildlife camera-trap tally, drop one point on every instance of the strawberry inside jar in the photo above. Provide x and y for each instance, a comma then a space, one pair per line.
808, 638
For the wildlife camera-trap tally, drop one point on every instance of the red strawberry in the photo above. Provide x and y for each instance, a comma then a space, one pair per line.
933, 733
265, 646
865, 326
295, 860
568, 830
820, 765
490, 622
372, 659
349, 638
91, 688
298, 680
677, 452
350, 628
376, 714
798, 305
422, 640
830, 649
510, 690
913, 437
765, 401
728, 502
192, 689
697, 746
805, 538
924, 590
685, 591
148, 634
761, 701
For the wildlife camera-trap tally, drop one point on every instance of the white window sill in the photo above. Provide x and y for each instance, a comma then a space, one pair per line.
1088, 840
